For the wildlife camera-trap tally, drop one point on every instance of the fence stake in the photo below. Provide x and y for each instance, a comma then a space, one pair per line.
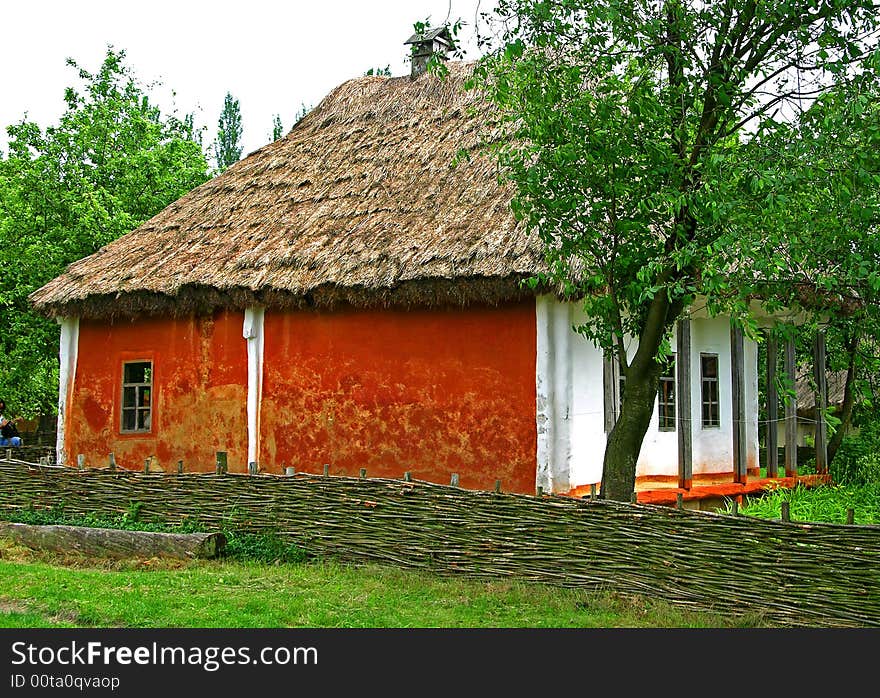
221, 462
539, 491
786, 512
252, 468
679, 500
735, 508
147, 465
407, 476
633, 498
363, 472
112, 463
180, 467
850, 516
453, 481
8, 454
80, 461
290, 470
593, 491
326, 469
498, 486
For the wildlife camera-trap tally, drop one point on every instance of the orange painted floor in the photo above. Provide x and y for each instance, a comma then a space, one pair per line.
732, 490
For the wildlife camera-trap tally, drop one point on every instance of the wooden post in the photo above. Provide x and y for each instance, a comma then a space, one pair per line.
290, 471
407, 476
498, 486
679, 500
735, 508
791, 466
772, 409
180, 467
80, 461
593, 491
252, 468
8, 454
683, 398
326, 469
737, 379
363, 472
221, 462
539, 491
821, 402
147, 465
453, 481
609, 391
786, 511
112, 463
850, 516
634, 498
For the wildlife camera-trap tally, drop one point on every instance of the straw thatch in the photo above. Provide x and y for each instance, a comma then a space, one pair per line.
359, 204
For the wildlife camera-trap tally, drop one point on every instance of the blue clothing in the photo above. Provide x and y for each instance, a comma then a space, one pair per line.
14, 441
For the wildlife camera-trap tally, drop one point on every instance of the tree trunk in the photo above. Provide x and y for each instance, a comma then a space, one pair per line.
114, 543
639, 394
849, 395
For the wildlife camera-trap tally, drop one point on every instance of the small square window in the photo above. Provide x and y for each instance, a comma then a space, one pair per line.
137, 396
709, 383
666, 398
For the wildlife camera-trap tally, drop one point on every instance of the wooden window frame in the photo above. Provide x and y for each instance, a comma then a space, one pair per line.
666, 408
137, 407
712, 421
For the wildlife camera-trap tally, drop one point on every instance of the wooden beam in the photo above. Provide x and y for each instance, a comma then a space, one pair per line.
790, 412
683, 399
772, 409
821, 402
740, 461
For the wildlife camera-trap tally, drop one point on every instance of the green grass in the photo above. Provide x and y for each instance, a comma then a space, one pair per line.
822, 503
37, 590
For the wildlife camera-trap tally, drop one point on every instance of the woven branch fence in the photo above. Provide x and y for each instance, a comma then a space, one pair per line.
793, 574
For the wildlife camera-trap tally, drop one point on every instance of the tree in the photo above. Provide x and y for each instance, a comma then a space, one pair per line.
277, 128
227, 147
384, 72
110, 163
637, 136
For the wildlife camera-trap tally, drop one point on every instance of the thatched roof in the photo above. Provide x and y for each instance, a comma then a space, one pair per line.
359, 204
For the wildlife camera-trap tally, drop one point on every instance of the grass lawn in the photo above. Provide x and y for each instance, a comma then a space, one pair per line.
41, 590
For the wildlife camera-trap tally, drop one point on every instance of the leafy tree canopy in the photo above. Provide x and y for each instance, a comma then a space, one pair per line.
667, 151
227, 147
111, 162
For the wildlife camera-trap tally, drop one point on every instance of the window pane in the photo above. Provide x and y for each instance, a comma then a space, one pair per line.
709, 366
145, 397
128, 420
128, 397
143, 420
136, 372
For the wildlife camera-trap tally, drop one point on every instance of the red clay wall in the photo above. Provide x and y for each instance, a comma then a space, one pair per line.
434, 392
199, 392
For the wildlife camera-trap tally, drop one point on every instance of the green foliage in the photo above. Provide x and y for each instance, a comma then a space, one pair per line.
824, 503
857, 461
670, 152
110, 163
261, 547
277, 128
227, 146
386, 71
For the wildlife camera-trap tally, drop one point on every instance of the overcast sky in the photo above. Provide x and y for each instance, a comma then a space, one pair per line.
272, 56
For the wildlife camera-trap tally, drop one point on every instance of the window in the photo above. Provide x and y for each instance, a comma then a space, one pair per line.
137, 383
666, 398
709, 381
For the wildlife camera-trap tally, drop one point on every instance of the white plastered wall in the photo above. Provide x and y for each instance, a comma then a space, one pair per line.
570, 404
67, 353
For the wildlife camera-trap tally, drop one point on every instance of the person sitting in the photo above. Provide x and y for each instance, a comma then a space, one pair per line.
9, 435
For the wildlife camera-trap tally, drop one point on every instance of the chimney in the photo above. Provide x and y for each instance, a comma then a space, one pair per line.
426, 44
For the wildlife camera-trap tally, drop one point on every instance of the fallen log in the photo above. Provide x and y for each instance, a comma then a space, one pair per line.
113, 542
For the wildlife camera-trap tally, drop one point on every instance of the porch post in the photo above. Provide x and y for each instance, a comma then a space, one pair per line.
772, 409
252, 331
821, 402
738, 404
791, 466
683, 391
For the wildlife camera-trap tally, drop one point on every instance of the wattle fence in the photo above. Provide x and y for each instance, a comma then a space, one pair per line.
793, 574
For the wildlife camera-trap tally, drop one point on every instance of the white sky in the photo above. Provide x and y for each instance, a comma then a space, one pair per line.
272, 56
